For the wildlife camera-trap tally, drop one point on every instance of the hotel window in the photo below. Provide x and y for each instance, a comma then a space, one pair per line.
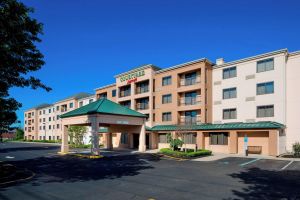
57, 108
167, 80
265, 88
40, 119
57, 137
142, 104
44, 127
53, 109
33, 128
126, 103
40, 112
190, 79
162, 138
229, 72
80, 104
113, 93
71, 105
125, 91
142, 87
57, 126
25, 122
167, 116
49, 110
124, 138
57, 117
167, 98
190, 117
229, 113
32, 113
229, 93
91, 100
44, 111
218, 138
265, 111
53, 126
49, 127
25, 115
44, 119
25, 128
189, 138
265, 65
53, 118
49, 119
190, 98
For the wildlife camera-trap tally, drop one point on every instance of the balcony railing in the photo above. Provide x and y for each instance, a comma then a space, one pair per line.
190, 120
189, 81
142, 106
141, 90
124, 94
186, 101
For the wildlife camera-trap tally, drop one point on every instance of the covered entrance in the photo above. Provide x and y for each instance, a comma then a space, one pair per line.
105, 113
136, 139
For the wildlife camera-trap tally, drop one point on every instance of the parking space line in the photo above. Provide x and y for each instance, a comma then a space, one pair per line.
251, 161
284, 167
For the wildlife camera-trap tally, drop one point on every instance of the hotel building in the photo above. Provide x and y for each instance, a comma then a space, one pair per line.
218, 106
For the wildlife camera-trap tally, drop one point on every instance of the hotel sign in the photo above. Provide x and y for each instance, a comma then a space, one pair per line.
132, 77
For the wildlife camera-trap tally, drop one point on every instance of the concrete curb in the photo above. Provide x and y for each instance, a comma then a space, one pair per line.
36, 142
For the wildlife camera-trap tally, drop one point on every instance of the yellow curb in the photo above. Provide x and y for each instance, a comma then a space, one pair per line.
62, 153
22, 179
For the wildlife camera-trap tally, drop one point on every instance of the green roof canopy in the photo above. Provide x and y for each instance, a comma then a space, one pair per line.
225, 126
103, 106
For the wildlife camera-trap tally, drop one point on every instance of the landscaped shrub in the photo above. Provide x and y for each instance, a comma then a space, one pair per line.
296, 149
43, 141
80, 146
188, 154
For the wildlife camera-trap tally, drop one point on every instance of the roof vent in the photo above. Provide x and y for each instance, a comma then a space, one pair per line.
220, 61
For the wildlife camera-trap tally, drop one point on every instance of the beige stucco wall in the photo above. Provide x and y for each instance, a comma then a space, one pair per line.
176, 91
293, 101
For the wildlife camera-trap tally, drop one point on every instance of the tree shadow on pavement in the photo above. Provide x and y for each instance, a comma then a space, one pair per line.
7, 150
73, 169
267, 184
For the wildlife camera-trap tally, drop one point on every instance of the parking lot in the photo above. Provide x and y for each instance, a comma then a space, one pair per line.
146, 176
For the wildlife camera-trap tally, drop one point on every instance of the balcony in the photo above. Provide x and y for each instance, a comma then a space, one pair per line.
142, 106
186, 120
141, 90
190, 81
187, 101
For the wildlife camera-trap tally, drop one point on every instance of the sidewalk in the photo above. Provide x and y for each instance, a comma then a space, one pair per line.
218, 156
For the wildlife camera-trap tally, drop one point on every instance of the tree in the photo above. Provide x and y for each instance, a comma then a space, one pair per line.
19, 134
18, 55
77, 133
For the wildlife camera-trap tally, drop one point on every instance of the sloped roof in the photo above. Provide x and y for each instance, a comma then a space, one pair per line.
43, 105
225, 126
103, 106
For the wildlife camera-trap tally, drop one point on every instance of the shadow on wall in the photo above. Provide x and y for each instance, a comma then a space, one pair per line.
266, 184
66, 169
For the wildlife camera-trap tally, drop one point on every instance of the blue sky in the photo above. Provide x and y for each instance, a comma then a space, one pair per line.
86, 43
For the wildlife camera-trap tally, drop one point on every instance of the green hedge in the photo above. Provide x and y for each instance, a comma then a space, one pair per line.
43, 141
188, 154
80, 146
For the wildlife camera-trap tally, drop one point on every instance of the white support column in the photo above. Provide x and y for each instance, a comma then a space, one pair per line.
142, 139
95, 137
64, 142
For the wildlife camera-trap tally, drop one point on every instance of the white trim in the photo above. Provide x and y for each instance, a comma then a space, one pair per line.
182, 65
251, 58
106, 86
137, 69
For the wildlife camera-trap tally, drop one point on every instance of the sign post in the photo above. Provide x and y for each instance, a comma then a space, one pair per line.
246, 145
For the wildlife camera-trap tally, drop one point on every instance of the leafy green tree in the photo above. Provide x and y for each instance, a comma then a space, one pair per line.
19, 134
76, 134
19, 34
